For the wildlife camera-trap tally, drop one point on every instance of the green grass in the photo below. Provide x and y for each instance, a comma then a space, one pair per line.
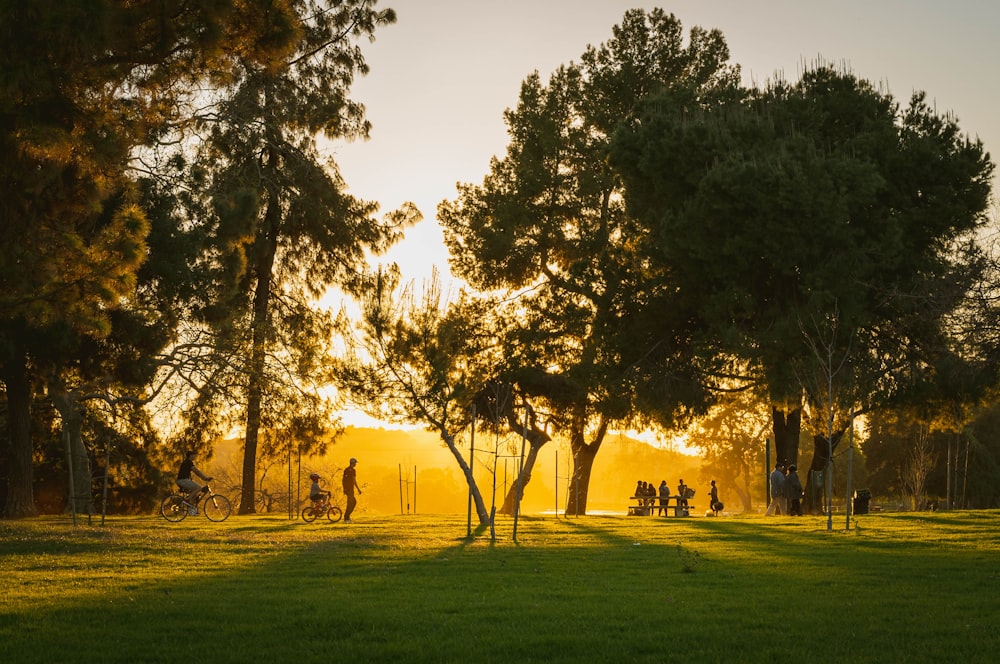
897, 587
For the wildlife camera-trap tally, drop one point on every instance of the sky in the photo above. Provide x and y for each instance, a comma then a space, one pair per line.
441, 77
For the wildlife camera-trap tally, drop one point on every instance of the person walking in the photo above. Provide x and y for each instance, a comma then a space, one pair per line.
793, 492
350, 486
713, 499
778, 505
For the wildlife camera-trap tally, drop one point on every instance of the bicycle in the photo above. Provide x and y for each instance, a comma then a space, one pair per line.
215, 507
318, 509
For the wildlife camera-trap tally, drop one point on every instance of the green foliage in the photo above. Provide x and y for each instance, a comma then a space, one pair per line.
548, 226
805, 203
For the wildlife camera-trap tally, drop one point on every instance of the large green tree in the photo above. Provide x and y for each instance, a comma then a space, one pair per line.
549, 224
280, 229
808, 215
81, 86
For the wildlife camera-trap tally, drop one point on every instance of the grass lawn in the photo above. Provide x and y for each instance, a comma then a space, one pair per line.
897, 587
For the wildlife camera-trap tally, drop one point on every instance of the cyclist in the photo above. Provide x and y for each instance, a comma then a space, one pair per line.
316, 494
185, 482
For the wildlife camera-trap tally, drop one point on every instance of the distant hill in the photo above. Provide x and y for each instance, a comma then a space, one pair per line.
395, 464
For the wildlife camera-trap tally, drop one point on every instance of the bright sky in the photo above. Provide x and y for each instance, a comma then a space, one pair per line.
442, 76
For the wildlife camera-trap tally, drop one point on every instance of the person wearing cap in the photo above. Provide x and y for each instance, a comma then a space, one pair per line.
350, 486
793, 492
778, 504
192, 488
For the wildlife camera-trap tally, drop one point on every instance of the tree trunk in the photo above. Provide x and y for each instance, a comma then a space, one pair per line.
81, 494
510, 500
477, 498
813, 502
266, 247
786, 428
20, 497
583, 464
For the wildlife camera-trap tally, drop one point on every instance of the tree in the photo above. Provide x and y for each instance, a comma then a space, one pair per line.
280, 229
730, 437
777, 207
420, 361
548, 226
83, 85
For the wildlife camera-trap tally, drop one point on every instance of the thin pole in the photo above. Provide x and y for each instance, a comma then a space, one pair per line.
767, 472
520, 468
848, 505
72, 487
472, 458
556, 484
400, 488
414, 489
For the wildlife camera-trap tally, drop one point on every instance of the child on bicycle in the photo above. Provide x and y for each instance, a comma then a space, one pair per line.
316, 494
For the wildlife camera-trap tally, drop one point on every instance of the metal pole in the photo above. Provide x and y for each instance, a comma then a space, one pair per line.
520, 468
556, 484
400, 488
767, 473
848, 506
414, 489
472, 458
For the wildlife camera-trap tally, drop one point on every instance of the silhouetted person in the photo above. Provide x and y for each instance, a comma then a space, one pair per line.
664, 498
350, 486
682, 494
793, 492
188, 485
778, 504
713, 499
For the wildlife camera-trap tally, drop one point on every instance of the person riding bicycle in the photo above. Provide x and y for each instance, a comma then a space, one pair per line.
185, 482
316, 494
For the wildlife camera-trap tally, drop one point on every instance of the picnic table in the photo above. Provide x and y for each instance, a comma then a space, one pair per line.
650, 505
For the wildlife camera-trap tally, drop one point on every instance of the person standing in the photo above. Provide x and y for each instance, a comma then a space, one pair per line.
777, 504
192, 488
664, 498
713, 499
350, 486
793, 492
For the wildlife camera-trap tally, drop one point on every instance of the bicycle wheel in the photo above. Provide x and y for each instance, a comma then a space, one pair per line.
216, 508
173, 508
334, 514
308, 514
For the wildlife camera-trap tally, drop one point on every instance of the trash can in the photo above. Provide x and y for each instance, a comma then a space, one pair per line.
861, 499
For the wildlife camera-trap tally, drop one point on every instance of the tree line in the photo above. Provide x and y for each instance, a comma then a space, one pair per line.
657, 239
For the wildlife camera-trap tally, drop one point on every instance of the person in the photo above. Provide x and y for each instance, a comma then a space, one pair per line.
713, 499
682, 494
777, 504
664, 498
350, 486
651, 492
793, 492
316, 494
192, 488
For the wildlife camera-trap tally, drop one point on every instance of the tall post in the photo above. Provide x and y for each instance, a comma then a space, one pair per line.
472, 458
767, 473
520, 468
414, 489
556, 484
848, 505
399, 467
